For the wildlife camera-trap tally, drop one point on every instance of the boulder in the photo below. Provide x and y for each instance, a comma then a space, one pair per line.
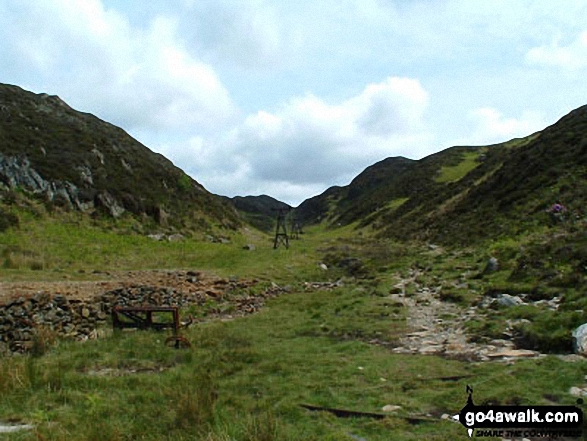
580, 340
175, 237
492, 266
106, 201
508, 300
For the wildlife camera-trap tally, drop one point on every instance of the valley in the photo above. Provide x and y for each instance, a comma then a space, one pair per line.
417, 280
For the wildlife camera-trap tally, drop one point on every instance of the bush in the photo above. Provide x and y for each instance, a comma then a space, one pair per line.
549, 332
7, 220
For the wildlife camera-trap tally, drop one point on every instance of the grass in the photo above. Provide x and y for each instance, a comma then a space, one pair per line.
71, 247
454, 173
245, 379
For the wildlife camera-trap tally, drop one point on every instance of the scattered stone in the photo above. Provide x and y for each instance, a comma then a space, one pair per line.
397, 289
310, 286
577, 392
249, 247
11, 428
514, 353
390, 408
323, 266
446, 337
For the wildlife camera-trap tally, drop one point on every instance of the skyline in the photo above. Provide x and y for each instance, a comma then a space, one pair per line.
268, 97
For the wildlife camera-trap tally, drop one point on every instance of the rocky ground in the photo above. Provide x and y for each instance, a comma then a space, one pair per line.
437, 327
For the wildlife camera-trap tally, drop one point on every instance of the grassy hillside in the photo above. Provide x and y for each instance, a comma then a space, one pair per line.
467, 194
508, 193
73, 160
377, 190
386, 307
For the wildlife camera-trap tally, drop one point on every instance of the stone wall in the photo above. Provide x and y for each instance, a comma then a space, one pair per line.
22, 318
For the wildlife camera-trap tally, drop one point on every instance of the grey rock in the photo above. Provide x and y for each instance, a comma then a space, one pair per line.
175, 238
580, 340
577, 392
107, 201
12, 428
508, 300
492, 266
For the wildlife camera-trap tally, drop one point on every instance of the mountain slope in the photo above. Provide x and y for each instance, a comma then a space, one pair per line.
381, 187
464, 194
259, 211
76, 161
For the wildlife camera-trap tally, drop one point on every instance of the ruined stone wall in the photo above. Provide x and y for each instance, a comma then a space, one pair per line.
22, 318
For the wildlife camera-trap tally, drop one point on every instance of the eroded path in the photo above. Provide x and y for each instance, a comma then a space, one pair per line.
437, 327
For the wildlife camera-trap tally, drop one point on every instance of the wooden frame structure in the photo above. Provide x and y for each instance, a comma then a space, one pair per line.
142, 317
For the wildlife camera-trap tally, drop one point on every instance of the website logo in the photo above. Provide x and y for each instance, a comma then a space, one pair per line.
520, 421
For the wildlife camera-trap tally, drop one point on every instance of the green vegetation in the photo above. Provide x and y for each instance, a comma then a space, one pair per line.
245, 379
456, 172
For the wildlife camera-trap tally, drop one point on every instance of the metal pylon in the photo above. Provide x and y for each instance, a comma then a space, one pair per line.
296, 229
281, 230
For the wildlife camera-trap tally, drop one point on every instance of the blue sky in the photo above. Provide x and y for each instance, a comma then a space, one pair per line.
289, 98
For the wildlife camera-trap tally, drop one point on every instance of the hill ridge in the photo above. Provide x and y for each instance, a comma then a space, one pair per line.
75, 160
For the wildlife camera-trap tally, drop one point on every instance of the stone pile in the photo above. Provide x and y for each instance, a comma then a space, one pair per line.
22, 319
150, 295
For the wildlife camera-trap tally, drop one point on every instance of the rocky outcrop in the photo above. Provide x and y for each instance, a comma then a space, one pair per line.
17, 173
76, 161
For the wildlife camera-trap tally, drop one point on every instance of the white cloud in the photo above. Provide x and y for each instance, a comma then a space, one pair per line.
308, 144
247, 33
311, 141
98, 62
301, 114
492, 127
571, 57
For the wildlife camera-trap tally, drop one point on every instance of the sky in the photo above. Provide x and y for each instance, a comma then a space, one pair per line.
288, 98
